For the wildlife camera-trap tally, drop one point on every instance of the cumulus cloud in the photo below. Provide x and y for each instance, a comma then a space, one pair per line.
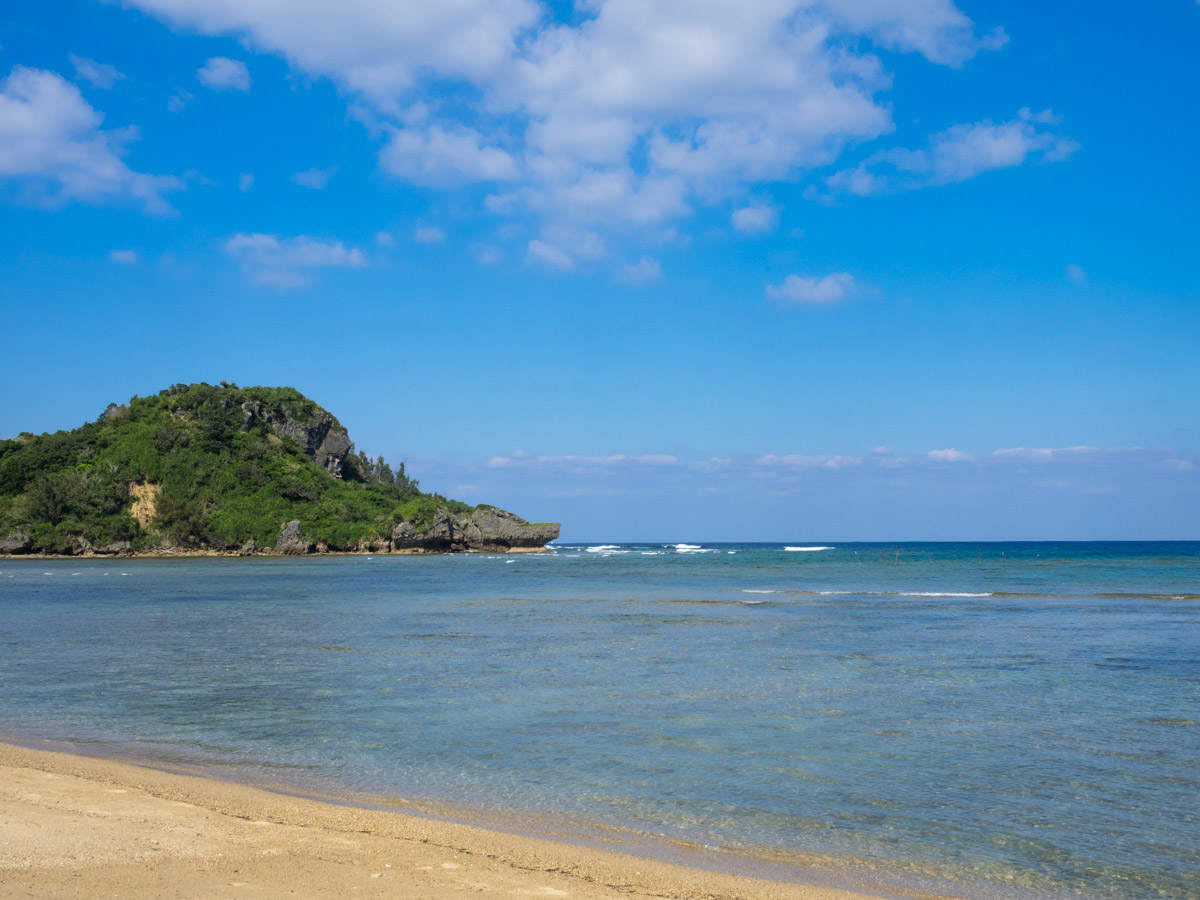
755, 219
642, 272
53, 149
445, 155
813, 291
631, 114
283, 262
957, 154
125, 257
96, 74
314, 178
223, 74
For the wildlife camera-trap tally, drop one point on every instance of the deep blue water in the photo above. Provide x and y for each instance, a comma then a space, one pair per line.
1028, 720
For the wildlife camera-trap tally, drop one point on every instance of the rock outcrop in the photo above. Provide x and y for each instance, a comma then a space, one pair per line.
484, 529
17, 542
291, 542
320, 435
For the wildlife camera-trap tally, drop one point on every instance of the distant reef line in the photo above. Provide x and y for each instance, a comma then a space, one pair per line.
205, 470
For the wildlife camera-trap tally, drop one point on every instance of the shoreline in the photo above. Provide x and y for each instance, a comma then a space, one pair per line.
262, 554
69, 820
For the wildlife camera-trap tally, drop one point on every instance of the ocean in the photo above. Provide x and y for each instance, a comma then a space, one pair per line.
989, 720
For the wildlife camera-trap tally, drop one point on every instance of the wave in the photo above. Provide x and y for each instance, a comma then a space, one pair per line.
753, 591
600, 548
805, 549
945, 594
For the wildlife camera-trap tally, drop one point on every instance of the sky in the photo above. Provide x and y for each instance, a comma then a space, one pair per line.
775, 270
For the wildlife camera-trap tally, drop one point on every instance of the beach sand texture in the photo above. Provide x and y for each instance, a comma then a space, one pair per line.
74, 826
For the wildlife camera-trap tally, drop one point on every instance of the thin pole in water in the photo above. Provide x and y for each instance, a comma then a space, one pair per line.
980, 552
897, 561
856, 556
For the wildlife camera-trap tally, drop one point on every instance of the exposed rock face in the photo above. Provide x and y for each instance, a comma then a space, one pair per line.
144, 503
321, 436
291, 542
17, 542
486, 528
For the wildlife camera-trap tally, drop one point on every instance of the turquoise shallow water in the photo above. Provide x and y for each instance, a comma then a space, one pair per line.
1013, 717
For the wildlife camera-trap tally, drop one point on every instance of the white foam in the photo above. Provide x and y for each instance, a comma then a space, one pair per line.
687, 546
600, 548
752, 591
805, 549
943, 594
652, 553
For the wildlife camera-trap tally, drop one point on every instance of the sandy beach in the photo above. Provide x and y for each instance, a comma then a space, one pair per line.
75, 826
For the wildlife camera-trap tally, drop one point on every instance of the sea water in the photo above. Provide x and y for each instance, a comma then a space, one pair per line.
988, 719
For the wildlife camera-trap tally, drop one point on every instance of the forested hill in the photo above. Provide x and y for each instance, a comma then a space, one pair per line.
205, 468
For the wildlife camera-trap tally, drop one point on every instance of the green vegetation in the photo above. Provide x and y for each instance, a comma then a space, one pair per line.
227, 471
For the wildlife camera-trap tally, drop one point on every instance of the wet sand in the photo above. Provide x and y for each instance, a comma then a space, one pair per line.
75, 826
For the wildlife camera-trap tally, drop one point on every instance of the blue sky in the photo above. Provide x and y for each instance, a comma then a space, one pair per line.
772, 270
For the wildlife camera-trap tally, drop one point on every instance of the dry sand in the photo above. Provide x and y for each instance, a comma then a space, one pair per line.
74, 826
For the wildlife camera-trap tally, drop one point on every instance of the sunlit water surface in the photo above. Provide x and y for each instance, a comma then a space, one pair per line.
1020, 718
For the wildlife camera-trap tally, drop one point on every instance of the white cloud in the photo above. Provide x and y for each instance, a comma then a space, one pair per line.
53, 148
444, 155
427, 234
1042, 454
223, 74
539, 251
579, 463
642, 272
813, 291
282, 262
957, 154
314, 178
755, 219
800, 461
384, 239
1076, 273
950, 456
633, 114
245, 181
487, 255
125, 257
179, 100
96, 74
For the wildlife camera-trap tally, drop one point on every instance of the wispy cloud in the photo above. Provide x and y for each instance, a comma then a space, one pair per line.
428, 234
810, 291
949, 456
284, 262
125, 257
954, 155
94, 73
642, 272
314, 178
